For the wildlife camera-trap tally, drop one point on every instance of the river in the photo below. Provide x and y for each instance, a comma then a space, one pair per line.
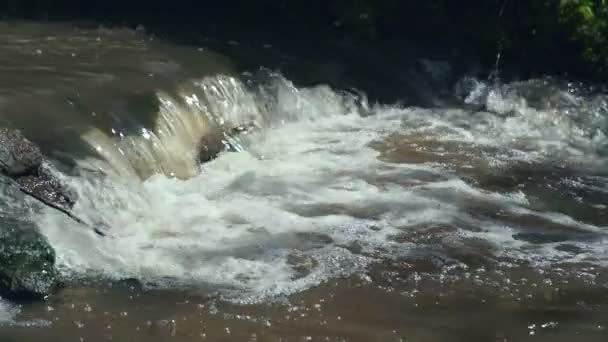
331, 217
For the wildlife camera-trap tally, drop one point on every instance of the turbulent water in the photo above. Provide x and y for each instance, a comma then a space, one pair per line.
326, 171
320, 184
7, 312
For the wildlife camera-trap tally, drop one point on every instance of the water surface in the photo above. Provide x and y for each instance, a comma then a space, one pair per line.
331, 218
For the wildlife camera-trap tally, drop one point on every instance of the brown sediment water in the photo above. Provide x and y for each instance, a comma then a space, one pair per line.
326, 219
395, 301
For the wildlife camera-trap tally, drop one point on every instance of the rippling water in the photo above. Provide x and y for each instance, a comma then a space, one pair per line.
495, 207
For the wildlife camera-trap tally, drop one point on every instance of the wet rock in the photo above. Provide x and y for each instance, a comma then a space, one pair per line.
46, 188
18, 155
22, 161
26, 261
210, 146
219, 139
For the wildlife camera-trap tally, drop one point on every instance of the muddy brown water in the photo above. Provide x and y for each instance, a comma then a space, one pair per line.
415, 298
338, 220
397, 301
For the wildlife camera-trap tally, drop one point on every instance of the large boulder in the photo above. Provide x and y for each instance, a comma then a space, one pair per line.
26, 261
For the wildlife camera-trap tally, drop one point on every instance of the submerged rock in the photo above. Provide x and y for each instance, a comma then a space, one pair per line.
26, 261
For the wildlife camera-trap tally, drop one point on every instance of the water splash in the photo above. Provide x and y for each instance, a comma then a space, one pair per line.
8, 312
209, 114
545, 117
317, 191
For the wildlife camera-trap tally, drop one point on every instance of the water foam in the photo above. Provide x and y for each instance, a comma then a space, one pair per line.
7, 312
547, 116
306, 200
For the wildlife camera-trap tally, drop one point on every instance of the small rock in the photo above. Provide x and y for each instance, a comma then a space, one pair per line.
211, 146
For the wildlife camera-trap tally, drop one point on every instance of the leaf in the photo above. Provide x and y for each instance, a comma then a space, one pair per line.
586, 12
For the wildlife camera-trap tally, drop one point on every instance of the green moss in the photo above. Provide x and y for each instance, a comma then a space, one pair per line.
587, 21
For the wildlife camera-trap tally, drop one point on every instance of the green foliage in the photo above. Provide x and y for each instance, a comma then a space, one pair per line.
574, 32
588, 24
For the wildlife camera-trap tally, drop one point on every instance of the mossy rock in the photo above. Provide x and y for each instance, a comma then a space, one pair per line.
26, 261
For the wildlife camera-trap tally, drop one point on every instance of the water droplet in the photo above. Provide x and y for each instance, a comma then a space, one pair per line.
145, 134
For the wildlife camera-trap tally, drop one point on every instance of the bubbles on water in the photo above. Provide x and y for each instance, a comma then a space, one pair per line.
557, 119
236, 225
306, 198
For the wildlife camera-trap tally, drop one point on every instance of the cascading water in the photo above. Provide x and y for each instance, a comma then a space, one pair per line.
317, 177
212, 108
183, 230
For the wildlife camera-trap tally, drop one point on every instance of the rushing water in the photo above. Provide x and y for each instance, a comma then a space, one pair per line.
331, 218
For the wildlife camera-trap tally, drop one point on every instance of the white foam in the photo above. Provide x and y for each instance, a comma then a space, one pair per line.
277, 217
236, 223
8, 312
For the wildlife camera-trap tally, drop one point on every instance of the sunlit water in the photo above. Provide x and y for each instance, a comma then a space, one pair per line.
499, 198
319, 177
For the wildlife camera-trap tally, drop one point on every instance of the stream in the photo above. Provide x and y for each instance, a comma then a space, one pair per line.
329, 217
